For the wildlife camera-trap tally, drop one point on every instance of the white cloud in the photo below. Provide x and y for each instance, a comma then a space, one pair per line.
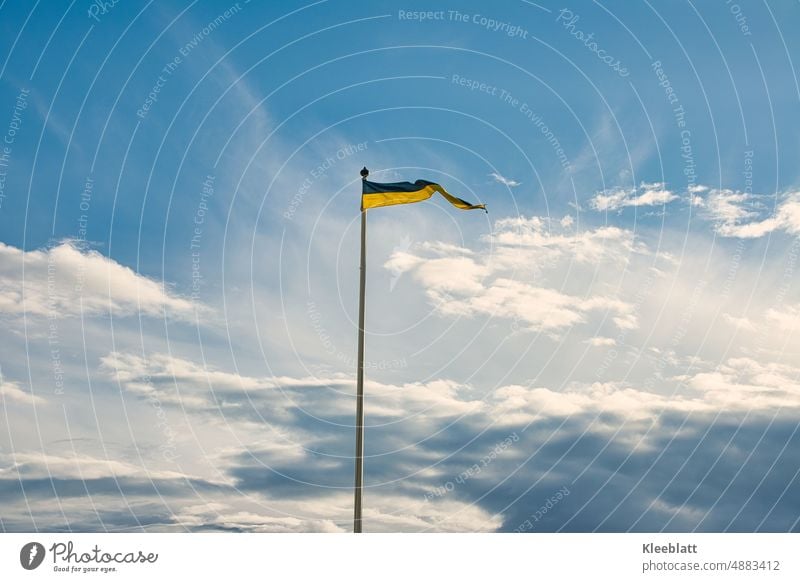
66, 280
745, 384
219, 515
519, 405
41, 465
739, 322
453, 274
602, 341
786, 318
436, 399
12, 392
507, 280
540, 308
182, 382
511, 183
739, 385
523, 241
131, 368
741, 215
333, 513
696, 200
192, 502
611, 199
647, 194
392, 513
726, 207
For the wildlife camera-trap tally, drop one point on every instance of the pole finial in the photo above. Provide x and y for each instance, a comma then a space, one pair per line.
364, 173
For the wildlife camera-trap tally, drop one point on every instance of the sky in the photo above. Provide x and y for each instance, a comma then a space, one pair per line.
612, 347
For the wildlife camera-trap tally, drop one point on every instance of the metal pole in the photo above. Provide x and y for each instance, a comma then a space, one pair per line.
359, 480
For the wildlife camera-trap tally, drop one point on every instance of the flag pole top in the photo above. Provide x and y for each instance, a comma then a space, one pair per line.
364, 173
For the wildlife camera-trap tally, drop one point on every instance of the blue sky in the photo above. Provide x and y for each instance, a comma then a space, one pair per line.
612, 347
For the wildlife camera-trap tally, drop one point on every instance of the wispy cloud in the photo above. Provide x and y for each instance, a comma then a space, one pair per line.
646, 194
43, 465
502, 283
739, 385
786, 318
744, 215
541, 240
510, 182
601, 341
11, 392
198, 387
67, 280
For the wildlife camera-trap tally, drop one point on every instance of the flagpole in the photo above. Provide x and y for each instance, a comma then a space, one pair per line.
359, 478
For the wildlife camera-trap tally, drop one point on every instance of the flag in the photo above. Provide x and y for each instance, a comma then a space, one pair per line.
374, 195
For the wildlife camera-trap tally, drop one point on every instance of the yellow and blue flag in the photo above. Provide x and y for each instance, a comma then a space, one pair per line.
375, 195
